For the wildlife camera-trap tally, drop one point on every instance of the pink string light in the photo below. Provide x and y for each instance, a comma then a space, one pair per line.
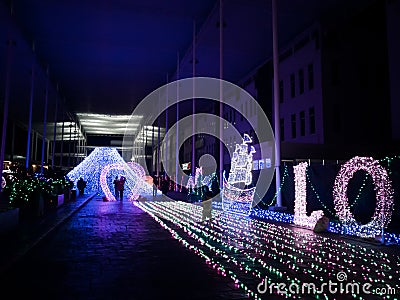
384, 194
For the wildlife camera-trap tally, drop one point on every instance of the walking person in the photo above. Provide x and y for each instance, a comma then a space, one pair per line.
120, 186
207, 205
81, 184
155, 184
116, 191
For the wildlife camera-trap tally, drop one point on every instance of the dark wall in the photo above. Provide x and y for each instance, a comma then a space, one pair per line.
355, 81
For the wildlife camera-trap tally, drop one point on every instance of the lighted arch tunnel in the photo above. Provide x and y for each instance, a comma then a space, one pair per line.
135, 184
100, 168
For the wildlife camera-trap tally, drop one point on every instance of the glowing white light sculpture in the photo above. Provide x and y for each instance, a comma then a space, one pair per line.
384, 194
193, 183
101, 167
300, 203
138, 175
235, 198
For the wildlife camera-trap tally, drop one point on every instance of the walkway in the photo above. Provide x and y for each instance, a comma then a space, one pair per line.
113, 250
90, 249
31, 231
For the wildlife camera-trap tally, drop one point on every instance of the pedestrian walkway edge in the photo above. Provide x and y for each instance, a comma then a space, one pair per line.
31, 245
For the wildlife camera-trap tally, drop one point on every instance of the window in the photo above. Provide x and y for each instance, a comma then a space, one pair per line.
292, 86
302, 123
301, 81
311, 116
310, 70
293, 126
282, 128
281, 91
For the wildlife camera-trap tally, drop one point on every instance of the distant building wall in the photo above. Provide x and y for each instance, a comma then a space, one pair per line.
393, 40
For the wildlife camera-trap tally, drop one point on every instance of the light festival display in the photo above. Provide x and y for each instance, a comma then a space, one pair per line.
350, 226
251, 252
195, 182
300, 203
137, 185
236, 198
208, 181
384, 194
91, 168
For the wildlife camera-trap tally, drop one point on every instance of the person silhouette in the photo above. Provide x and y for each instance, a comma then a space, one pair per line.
81, 184
116, 191
207, 206
120, 186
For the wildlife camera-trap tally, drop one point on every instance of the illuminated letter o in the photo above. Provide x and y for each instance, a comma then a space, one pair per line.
383, 188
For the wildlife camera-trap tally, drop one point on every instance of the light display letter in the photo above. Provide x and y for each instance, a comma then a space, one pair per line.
384, 194
300, 204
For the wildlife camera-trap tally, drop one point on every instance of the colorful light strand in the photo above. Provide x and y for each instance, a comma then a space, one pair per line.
249, 250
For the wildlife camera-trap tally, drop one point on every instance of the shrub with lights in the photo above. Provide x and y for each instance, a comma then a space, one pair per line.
24, 191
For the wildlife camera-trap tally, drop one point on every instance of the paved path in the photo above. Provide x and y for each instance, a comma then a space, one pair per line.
113, 250
31, 231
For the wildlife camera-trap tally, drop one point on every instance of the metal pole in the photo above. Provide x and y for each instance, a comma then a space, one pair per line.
193, 100
62, 139
6, 102
45, 121
54, 132
166, 130
276, 103
177, 126
159, 140
152, 150
28, 146
221, 73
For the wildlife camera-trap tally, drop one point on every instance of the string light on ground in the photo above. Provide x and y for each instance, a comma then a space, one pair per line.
250, 251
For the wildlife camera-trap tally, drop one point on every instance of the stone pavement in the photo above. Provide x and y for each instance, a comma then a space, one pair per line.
111, 250
31, 231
